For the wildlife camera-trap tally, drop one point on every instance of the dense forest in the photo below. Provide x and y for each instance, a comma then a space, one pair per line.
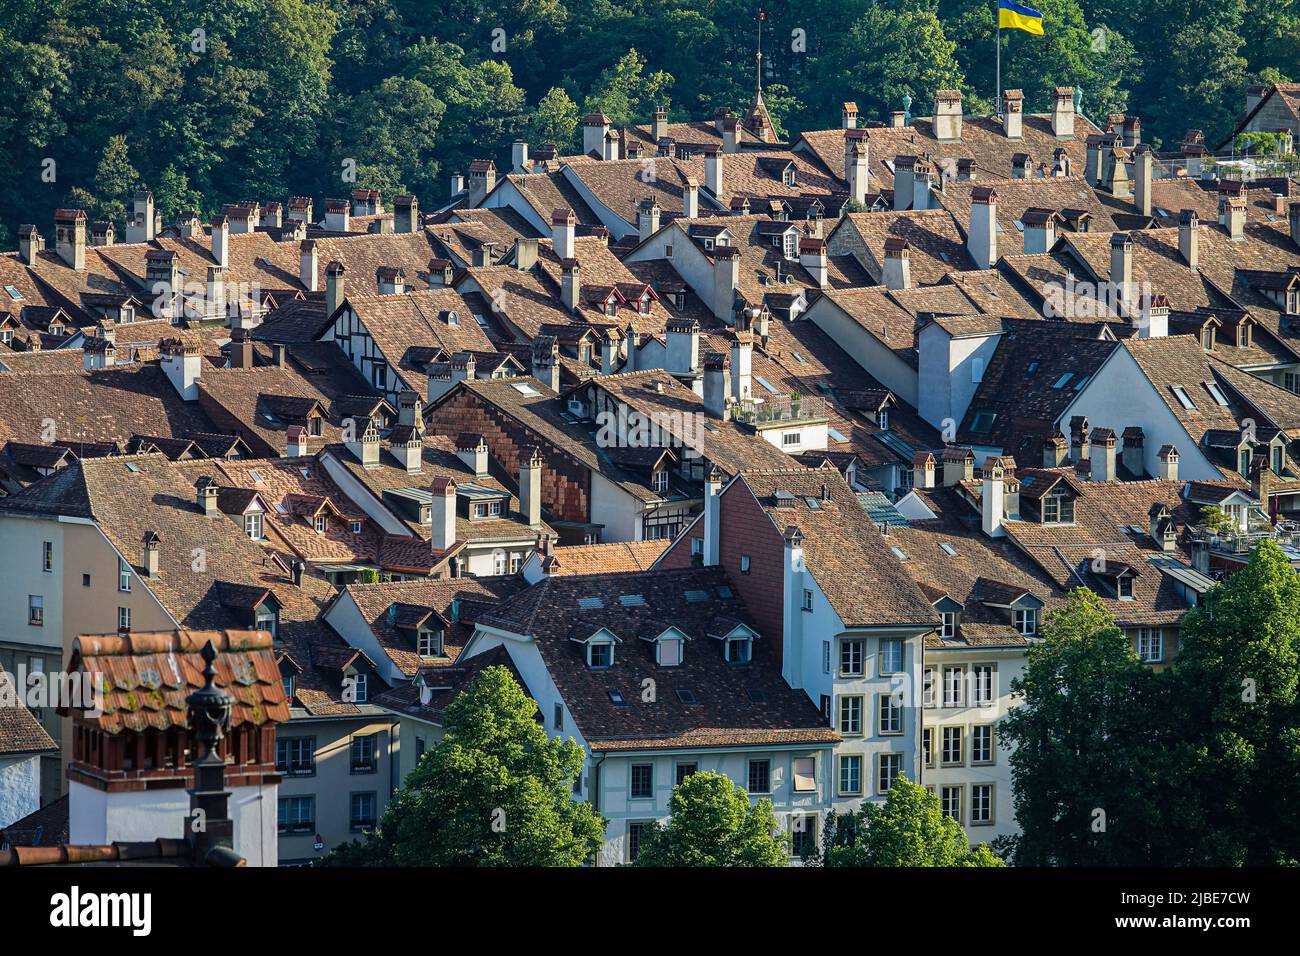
211, 102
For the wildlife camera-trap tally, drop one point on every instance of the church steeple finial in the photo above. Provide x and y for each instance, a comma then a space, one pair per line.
758, 59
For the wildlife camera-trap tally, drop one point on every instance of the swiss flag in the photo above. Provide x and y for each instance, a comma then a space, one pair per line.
762, 15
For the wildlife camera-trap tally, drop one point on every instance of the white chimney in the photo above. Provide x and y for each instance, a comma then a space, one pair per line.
712, 517
897, 273
659, 128
364, 445
1063, 112
1167, 470
690, 197
1040, 230
407, 214
595, 127
1102, 454
982, 238
1154, 320
307, 264
609, 345
726, 276
923, 466
858, 173
140, 228
921, 170
812, 256
221, 241
30, 244
903, 176
563, 225
151, 557
947, 116
473, 451
183, 363
333, 287
442, 527
713, 171
1142, 161
296, 442
683, 351
70, 237
849, 116
546, 361
742, 360
1235, 210
1293, 220
570, 283
530, 487
992, 501
647, 218
715, 385
482, 180
519, 156
1013, 113
1121, 268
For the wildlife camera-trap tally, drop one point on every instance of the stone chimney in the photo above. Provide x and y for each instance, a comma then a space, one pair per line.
1132, 455
858, 172
730, 135
442, 524
457, 184
897, 119
1132, 131
296, 442
647, 218
1167, 469
546, 361
241, 349
903, 179
472, 449
713, 170
1021, 164
742, 360
726, 276
812, 256
308, 263
1103, 454
364, 445
1056, 451
630, 343
921, 170
182, 361
958, 465
982, 236
70, 237
482, 180
206, 496
519, 157
163, 279
1063, 112
1121, 269
1293, 220
338, 215
30, 244
1142, 161
525, 254
300, 207
923, 465
1061, 165
659, 127
897, 272
849, 116
690, 197
715, 385
221, 240
1153, 322
947, 116
595, 127
609, 345
1235, 213
215, 306
530, 487
683, 351
570, 283
1189, 238
406, 214
1078, 438
1013, 113
440, 273
151, 559
992, 501
1040, 230
333, 287
563, 225
1117, 174
140, 227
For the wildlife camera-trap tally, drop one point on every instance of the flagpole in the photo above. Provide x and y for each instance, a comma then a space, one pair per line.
997, 103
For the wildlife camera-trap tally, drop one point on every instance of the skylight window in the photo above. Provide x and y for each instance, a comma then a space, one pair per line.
616, 696
590, 603
756, 695
836, 435
697, 597
765, 383
898, 553
687, 696
1184, 399
132, 467
1081, 381
982, 422
1032, 368
632, 600
14, 293
523, 388
799, 358
254, 475
1063, 380
725, 593
948, 549
812, 503
1216, 393
1020, 226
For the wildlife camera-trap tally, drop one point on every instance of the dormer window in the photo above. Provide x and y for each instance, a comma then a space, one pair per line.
661, 481
1243, 462
429, 642
1026, 621
1058, 508
322, 523
882, 419
1279, 459
788, 176
791, 245
1207, 338
668, 651
361, 687
600, 654
253, 525
287, 682
1124, 587
739, 649
315, 426
267, 619
1243, 335
950, 621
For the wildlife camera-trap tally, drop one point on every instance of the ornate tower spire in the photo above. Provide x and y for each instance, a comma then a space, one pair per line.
757, 118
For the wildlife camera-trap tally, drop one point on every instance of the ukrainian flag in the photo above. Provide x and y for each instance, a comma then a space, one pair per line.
1016, 16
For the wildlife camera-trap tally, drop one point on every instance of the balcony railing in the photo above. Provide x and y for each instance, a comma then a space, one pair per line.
777, 409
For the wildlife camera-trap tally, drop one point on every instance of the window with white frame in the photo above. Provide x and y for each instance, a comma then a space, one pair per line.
1026, 621
852, 656
600, 654
927, 745
364, 759
1150, 645
124, 619
983, 678
888, 769
953, 679
36, 609
739, 650
826, 657
950, 802
850, 775
981, 744
891, 655
927, 687
889, 708
949, 624
47, 556
807, 599
851, 716
500, 562
981, 804
265, 619
361, 814
1058, 509
322, 524
804, 774
951, 753
661, 481
123, 576
361, 685
429, 642
253, 525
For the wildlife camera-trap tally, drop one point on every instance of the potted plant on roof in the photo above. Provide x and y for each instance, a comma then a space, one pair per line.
794, 404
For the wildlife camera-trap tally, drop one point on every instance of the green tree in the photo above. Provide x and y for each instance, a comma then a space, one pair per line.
908, 829
626, 93
1239, 670
555, 120
495, 791
713, 823
1099, 766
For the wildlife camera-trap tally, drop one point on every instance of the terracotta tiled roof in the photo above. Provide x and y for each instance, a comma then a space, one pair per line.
938, 244
20, 731
146, 676
609, 558
701, 604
